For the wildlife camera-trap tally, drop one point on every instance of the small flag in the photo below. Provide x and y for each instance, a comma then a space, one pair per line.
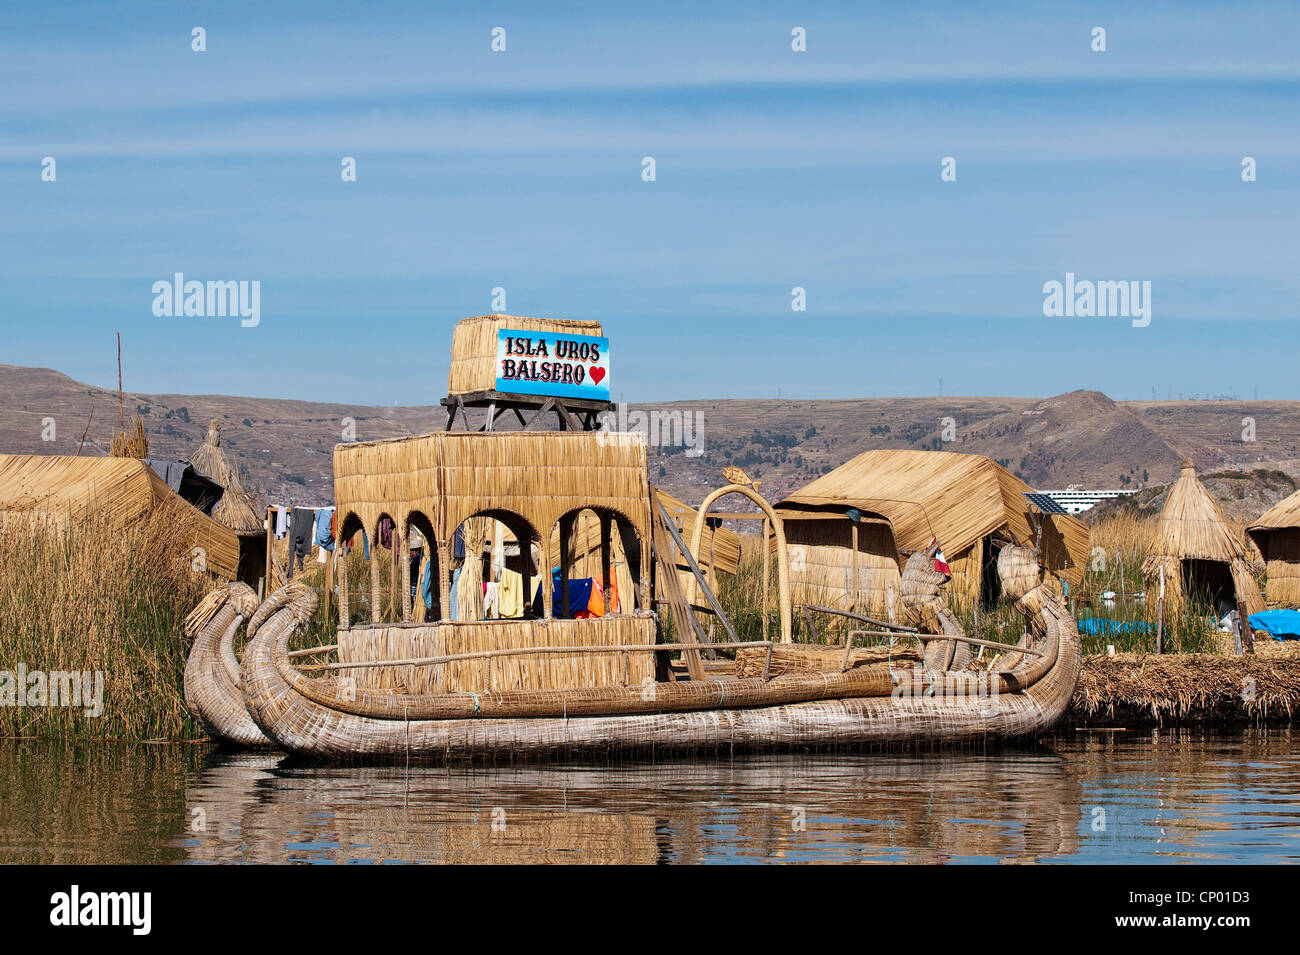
940, 562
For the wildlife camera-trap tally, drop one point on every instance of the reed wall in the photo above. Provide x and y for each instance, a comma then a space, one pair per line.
550, 671
821, 565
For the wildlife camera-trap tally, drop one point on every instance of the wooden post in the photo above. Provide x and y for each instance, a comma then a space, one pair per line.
648, 571
606, 529
440, 572
854, 526
767, 530
566, 531
394, 575
340, 550
268, 578
526, 575
375, 586
405, 595
329, 582
1160, 614
544, 573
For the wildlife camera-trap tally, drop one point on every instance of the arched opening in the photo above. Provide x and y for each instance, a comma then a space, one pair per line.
351, 548
385, 574
600, 565
493, 568
773, 520
1209, 584
420, 580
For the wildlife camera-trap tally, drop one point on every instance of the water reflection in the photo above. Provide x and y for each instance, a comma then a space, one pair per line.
1095, 797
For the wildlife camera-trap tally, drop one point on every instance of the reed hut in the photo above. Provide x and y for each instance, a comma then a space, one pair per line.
235, 509
1198, 552
537, 485
893, 503
1277, 535
123, 490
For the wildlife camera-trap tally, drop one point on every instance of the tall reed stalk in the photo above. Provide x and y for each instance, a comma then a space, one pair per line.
93, 597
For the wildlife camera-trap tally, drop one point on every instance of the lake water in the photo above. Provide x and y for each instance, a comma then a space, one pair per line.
1096, 797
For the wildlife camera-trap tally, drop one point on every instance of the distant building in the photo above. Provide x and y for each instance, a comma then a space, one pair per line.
1075, 500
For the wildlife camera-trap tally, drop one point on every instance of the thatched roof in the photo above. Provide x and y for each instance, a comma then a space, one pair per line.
1192, 526
959, 498
450, 476
1284, 515
1277, 535
236, 508
121, 490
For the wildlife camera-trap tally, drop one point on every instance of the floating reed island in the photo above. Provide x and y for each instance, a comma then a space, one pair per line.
1136, 690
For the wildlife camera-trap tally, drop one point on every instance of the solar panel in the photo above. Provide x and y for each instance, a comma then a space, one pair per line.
1045, 502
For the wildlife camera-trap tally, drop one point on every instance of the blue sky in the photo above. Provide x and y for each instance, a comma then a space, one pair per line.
775, 169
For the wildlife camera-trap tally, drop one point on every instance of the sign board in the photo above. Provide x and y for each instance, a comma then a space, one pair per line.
552, 364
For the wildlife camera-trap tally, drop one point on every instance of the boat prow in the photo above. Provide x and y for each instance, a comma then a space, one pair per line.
212, 688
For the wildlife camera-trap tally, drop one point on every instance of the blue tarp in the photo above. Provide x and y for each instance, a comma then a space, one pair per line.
1102, 627
1279, 624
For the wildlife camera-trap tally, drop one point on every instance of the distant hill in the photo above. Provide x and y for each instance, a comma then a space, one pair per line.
284, 447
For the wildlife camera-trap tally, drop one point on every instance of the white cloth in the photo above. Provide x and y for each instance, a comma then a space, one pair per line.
491, 601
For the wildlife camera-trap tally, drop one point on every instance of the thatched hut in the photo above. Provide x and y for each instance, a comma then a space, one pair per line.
1198, 552
236, 508
1277, 535
901, 501
122, 490
537, 486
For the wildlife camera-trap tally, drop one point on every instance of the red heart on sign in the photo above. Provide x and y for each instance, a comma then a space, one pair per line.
597, 374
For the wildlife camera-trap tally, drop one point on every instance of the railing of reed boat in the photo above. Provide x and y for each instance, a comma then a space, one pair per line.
524, 651
895, 630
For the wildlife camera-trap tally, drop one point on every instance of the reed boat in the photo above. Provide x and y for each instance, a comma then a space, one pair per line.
636, 675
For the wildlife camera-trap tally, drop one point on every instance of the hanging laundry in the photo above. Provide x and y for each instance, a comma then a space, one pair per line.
281, 522
417, 558
302, 523
491, 600
579, 596
453, 611
386, 536
324, 529
598, 605
458, 545
512, 593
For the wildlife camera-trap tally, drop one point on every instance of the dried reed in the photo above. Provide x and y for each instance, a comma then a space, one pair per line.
93, 596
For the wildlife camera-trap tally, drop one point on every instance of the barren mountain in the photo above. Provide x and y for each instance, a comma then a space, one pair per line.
1082, 437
